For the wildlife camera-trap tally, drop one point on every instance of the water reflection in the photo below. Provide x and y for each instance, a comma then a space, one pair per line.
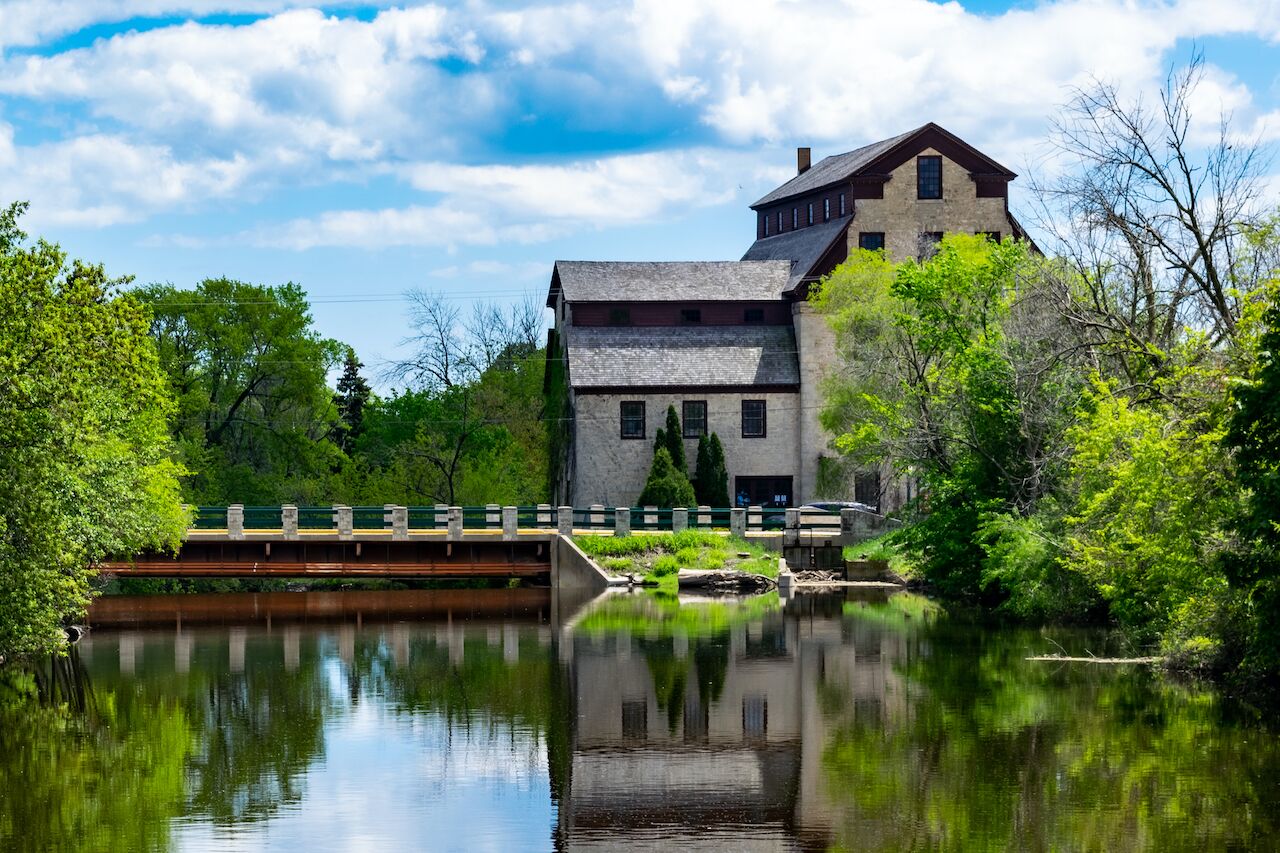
516, 720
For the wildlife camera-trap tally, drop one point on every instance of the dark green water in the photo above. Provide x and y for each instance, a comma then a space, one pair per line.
507, 720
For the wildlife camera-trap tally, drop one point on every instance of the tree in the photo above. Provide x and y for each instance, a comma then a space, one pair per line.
352, 397
675, 440
250, 374
716, 486
702, 476
84, 438
665, 486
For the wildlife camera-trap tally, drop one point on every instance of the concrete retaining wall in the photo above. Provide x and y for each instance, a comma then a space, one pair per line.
572, 569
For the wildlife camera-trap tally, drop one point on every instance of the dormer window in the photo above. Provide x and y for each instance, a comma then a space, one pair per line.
780, 228
795, 218
842, 204
753, 315
929, 177
766, 226
690, 316
826, 209
810, 222
619, 316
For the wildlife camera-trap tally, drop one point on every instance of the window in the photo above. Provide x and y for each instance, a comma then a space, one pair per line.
766, 224
690, 316
632, 412
871, 240
993, 236
619, 316
753, 419
928, 245
810, 222
795, 218
753, 315
929, 177
694, 418
780, 228
826, 209
842, 204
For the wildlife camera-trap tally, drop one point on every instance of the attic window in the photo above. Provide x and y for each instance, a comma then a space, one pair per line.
619, 316
766, 225
780, 228
691, 316
826, 209
753, 315
795, 218
810, 222
842, 204
929, 177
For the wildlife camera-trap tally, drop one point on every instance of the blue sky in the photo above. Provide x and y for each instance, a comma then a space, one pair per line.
363, 149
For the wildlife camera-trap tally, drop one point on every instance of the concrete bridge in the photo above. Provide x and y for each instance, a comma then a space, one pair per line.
463, 542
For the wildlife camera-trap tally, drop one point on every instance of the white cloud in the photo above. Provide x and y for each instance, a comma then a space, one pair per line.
484, 205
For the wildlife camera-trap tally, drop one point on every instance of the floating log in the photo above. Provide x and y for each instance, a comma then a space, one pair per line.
723, 580
1070, 659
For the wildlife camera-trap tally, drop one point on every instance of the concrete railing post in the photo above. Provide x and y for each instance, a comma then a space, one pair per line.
738, 521
848, 519
755, 518
564, 520
679, 519
235, 521
622, 521
544, 516
455, 522
704, 516
399, 522
442, 515
509, 519
597, 515
492, 515
345, 520
791, 530
289, 521
650, 516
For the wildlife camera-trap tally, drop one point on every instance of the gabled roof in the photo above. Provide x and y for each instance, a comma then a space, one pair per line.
659, 281
606, 357
804, 248
880, 158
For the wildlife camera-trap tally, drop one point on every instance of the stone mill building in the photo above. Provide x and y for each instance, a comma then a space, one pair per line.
734, 345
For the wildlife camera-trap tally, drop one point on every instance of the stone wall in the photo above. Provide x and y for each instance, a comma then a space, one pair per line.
903, 217
611, 470
816, 344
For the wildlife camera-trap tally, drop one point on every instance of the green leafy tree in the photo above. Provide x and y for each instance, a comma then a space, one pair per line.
665, 486
674, 440
255, 412
1254, 434
84, 437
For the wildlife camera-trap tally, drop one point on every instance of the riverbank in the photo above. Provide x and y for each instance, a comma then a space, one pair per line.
656, 560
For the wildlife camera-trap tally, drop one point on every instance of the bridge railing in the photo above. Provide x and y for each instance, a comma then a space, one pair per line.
594, 519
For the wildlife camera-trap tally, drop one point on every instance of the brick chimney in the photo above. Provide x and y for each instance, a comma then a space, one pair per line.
802, 160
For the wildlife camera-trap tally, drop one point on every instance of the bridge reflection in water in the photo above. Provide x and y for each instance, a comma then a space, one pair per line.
711, 737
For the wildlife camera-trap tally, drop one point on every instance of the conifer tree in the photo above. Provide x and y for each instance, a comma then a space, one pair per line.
717, 487
665, 486
675, 440
353, 395
702, 472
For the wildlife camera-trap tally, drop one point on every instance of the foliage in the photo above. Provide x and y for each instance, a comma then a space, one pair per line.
665, 485
353, 396
674, 440
711, 476
249, 373
84, 438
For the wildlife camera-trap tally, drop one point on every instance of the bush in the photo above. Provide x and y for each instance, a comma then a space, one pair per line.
687, 556
666, 486
665, 565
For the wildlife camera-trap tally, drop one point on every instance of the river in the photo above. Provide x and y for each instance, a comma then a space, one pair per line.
515, 720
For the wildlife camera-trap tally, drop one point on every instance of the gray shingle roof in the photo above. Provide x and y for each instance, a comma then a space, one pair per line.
607, 281
803, 247
710, 356
829, 170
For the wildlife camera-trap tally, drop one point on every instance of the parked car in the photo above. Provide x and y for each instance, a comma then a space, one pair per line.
835, 506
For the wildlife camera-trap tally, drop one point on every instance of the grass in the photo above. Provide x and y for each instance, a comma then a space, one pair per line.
659, 557
883, 547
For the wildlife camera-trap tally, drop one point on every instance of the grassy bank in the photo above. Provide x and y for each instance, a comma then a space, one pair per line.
659, 557
883, 547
